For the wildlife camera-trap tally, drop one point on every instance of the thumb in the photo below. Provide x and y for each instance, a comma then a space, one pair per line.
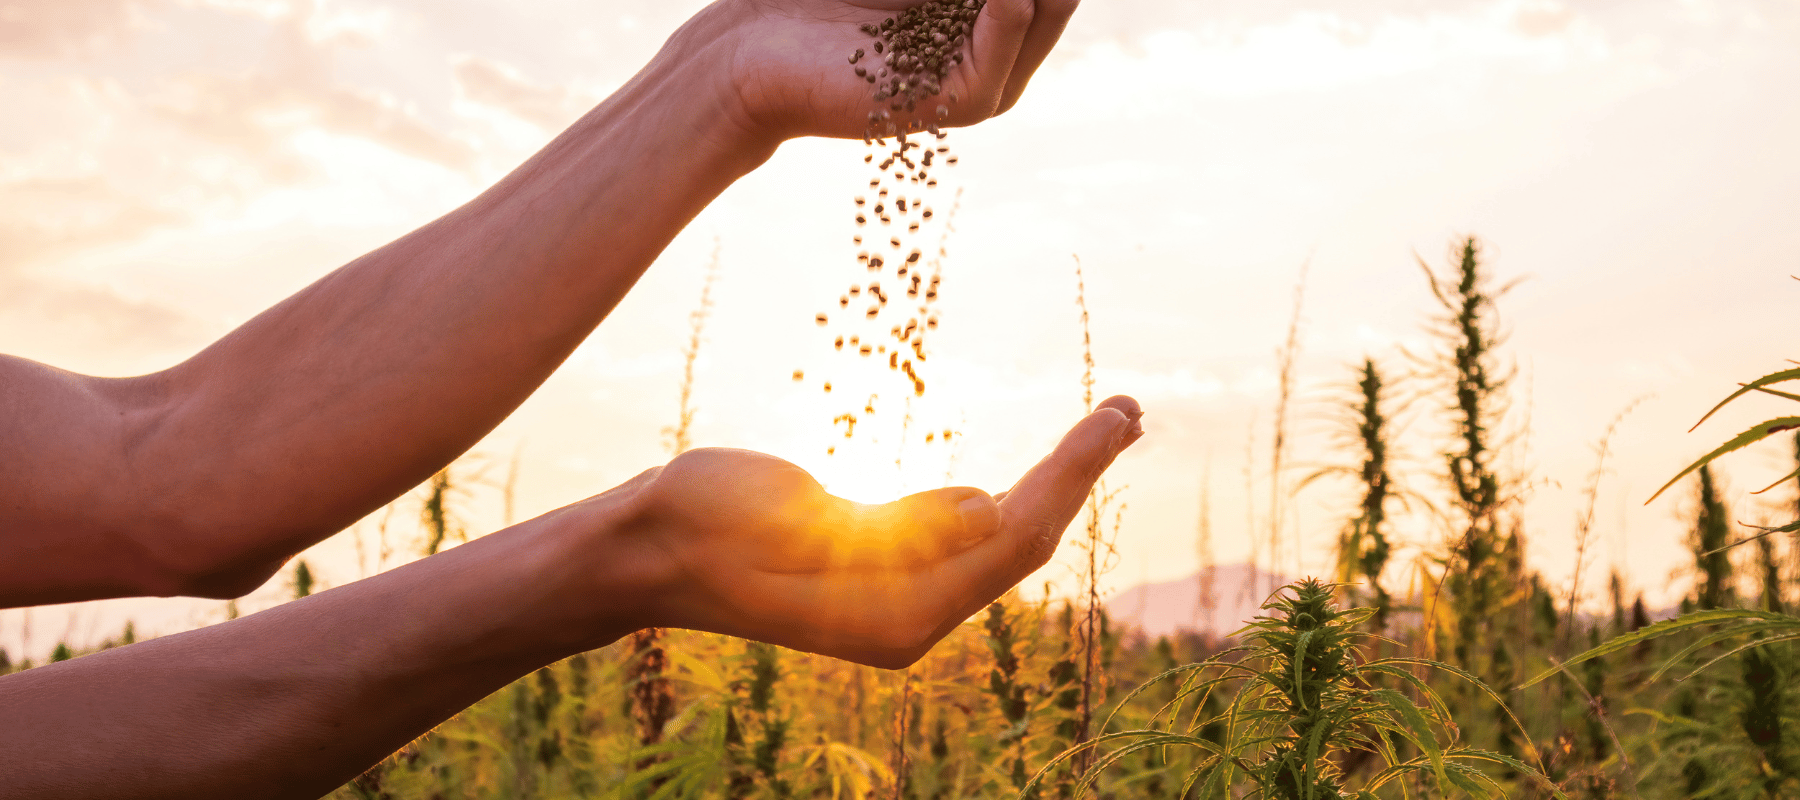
929, 526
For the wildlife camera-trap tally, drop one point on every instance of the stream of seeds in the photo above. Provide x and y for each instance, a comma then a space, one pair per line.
886, 314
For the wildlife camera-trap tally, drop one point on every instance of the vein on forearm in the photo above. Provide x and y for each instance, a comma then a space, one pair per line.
346, 394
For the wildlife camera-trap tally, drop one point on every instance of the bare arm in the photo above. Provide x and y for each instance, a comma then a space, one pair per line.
204, 478
293, 701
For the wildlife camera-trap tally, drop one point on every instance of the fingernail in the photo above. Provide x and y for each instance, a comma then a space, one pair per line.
980, 518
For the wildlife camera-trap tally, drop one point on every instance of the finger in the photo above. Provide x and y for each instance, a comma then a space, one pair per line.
930, 526
1124, 404
1036, 511
999, 34
910, 532
1127, 405
1047, 25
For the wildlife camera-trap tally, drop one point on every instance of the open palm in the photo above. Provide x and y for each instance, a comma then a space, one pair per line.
757, 549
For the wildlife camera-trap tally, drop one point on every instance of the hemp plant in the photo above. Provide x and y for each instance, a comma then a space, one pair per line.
1305, 703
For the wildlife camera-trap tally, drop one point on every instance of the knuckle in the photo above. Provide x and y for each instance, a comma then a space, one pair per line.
1038, 545
1012, 12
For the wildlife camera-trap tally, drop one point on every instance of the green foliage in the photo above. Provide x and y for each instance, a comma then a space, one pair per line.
1305, 700
1709, 539
303, 579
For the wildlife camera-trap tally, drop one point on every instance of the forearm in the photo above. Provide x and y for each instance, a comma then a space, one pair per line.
343, 396
294, 701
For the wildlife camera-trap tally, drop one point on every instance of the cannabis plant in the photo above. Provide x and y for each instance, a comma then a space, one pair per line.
1309, 715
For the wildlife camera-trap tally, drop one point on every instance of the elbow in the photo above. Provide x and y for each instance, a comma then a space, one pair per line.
175, 563
190, 534
230, 578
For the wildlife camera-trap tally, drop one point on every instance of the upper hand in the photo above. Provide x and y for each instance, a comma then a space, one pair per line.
789, 74
750, 545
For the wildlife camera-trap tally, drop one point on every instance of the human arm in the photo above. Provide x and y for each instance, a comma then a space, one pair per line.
293, 701
203, 478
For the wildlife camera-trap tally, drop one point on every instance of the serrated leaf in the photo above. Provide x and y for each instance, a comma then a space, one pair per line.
1663, 628
1759, 383
1756, 433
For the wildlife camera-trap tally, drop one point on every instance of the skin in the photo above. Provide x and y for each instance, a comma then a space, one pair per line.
204, 478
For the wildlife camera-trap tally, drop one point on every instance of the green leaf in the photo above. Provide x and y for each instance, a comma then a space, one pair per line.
1779, 393
1758, 643
1664, 628
1756, 433
1759, 383
1299, 664
1421, 734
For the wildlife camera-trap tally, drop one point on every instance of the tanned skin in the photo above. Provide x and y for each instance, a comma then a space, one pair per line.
204, 478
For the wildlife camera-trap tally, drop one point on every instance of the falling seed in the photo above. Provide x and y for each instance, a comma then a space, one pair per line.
839, 344
828, 387
844, 301
865, 350
822, 319
799, 375
929, 437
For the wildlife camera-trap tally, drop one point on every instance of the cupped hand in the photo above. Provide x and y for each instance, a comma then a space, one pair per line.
752, 546
789, 61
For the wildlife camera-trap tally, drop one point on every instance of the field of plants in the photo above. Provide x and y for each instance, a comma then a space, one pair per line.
1483, 679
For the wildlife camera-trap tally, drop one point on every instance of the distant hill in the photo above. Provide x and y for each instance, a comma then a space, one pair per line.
1159, 609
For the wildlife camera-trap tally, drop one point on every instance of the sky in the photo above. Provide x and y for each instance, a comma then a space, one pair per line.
168, 168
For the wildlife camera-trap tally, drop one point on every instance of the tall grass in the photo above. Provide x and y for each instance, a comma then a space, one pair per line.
1311, 700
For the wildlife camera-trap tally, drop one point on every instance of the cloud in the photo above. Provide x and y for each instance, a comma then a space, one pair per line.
67, 28
46, 220
493, 84
257, 116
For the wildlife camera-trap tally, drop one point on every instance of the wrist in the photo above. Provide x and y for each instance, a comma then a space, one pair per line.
606, 577
692, 86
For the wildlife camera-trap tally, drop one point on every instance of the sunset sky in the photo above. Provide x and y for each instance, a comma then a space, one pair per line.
168, 168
